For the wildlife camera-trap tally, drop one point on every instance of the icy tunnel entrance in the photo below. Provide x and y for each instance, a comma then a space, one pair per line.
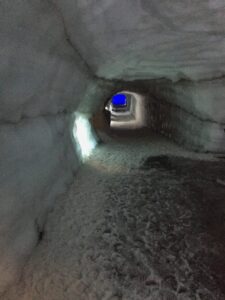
122, 114
126, 110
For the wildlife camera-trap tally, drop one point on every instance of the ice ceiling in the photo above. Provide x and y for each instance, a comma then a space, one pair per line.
133, 39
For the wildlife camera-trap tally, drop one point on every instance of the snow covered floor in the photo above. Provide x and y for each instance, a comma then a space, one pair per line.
144, 219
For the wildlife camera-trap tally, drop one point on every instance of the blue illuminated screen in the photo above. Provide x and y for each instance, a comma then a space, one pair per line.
119, 100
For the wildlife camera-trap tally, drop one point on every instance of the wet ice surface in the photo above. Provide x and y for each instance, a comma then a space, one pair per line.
143, 220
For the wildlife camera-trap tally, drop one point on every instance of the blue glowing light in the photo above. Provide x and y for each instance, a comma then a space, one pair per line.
119, 100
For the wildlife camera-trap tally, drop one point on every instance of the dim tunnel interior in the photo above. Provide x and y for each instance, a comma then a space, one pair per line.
112, 134
123, 114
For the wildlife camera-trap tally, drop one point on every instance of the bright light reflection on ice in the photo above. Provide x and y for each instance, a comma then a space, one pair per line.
83, 135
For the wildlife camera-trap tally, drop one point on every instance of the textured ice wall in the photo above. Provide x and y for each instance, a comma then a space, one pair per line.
204, 99
40, 71
37, 165
42, 80
144, 39
192, 113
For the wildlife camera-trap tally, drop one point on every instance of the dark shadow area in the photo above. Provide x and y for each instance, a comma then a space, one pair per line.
183, 204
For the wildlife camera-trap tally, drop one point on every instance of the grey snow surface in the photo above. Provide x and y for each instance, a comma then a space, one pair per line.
144, 220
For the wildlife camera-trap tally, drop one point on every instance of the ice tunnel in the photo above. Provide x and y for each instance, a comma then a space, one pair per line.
143, 83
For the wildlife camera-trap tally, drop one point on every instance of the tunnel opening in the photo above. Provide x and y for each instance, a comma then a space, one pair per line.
124, 113
162, 114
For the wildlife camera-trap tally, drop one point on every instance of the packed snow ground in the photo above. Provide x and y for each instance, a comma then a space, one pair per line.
144, 219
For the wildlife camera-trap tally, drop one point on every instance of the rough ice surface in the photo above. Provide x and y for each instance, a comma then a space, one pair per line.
195, 110
58, 56
202, 99
42, 79
142, 39
134, 229
37, 165
191, 123
40, 72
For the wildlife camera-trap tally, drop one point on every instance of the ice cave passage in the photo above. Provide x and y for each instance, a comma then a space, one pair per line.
112, 170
